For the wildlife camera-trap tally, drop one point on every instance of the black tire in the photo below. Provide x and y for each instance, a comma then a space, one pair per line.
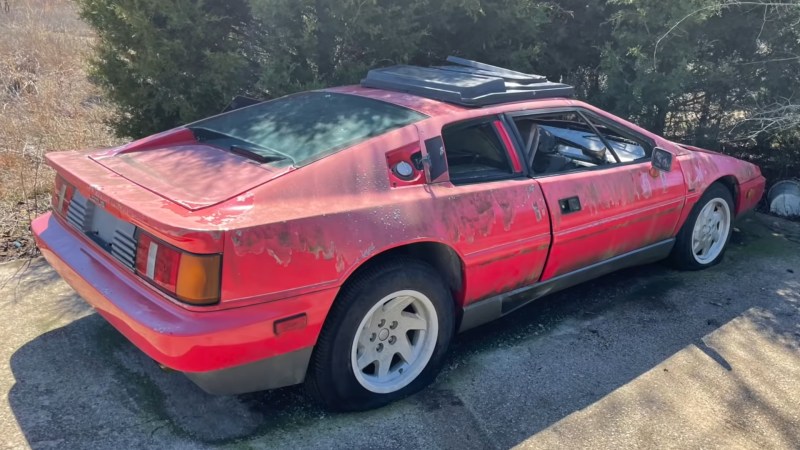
331, 379
682, 256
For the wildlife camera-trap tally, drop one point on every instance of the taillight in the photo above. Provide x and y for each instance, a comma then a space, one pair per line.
62, 196
191, 278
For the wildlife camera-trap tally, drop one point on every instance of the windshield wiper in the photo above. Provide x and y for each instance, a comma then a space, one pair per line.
255, 155
205, 134
239, 146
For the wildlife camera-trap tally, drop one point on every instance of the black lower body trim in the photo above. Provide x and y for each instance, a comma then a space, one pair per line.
279, 371
495, 307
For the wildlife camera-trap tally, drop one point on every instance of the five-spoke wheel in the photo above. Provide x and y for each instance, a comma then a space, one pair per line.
711, 230
385, 337
705, 234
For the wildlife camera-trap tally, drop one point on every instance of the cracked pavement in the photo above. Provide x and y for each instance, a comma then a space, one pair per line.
646, 357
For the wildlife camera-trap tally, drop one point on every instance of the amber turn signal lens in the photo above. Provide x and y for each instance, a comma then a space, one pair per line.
293, 323
198, 279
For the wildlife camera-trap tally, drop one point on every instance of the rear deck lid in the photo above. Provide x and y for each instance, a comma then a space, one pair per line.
194, 176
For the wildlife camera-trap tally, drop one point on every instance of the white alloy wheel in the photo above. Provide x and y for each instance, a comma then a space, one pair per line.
394, 342
711, 229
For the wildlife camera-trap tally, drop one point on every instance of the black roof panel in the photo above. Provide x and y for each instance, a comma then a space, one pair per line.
488, 69
468, 83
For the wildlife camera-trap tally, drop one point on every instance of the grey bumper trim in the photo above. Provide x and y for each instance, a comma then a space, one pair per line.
279, 371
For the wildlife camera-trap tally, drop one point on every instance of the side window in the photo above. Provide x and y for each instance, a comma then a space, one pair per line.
626, 145
475, 153
561, 142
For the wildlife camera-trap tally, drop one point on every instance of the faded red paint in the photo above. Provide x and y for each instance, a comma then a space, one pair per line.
622, 209
180, 173
291, 238
191, 341
701, 168
169, 138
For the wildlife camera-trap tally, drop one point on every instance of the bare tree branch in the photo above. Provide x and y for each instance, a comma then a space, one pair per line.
789, 58
783, 115
720, 6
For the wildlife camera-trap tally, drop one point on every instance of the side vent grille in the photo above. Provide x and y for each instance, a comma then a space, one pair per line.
78, 212
123, 245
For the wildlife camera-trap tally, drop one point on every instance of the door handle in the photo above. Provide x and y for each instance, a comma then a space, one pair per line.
569, 205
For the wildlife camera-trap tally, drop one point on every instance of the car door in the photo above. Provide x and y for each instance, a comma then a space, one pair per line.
604, 198
495, 216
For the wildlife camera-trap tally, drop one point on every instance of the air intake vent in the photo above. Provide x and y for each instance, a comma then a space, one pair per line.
123, 245
79, 211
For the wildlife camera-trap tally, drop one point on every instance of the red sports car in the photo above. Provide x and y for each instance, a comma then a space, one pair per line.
342, 237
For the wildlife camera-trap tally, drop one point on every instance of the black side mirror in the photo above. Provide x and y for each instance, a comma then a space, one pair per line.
662, 159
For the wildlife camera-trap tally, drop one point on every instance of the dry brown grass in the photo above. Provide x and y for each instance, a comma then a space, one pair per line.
46, 104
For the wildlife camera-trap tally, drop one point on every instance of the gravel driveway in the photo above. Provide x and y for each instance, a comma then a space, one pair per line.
647, 357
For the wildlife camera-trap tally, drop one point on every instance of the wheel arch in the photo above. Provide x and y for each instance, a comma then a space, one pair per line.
732, 184
447, 262
683, 253
321, 379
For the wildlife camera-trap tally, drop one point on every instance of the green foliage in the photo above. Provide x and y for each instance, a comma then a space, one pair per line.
641, 83
691, 69
167, 62
719, 74
687, 68
313, 43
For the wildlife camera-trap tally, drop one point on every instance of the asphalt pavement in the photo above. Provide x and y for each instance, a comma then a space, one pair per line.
646, 357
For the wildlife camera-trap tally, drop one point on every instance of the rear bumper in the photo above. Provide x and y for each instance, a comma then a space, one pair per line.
224, 351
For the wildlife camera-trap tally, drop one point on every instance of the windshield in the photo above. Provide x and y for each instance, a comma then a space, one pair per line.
303, 127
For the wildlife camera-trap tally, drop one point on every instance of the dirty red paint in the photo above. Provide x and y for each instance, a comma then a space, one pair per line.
290, 238
184, 180
191, 341
623, 208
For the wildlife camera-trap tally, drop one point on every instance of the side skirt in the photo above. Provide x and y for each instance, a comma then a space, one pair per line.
492, 308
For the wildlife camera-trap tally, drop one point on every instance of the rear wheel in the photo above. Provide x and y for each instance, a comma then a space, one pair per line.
704, 237
385, 337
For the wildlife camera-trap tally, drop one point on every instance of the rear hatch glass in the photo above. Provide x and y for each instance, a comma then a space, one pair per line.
302, 128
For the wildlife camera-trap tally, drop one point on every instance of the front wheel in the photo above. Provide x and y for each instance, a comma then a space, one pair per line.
704, 237
385, 337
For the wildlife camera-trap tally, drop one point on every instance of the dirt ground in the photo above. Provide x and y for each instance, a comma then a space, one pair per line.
46, 104
646, 357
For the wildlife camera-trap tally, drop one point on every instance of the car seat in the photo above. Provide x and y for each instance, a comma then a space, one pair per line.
546, 158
